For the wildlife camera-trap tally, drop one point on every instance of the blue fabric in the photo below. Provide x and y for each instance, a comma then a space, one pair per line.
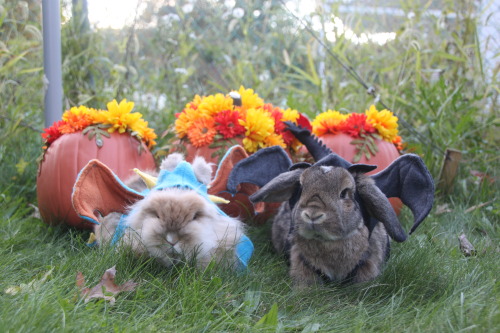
183, 177
120, 229
244, 251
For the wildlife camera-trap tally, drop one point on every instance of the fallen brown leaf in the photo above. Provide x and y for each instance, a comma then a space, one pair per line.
444, 208
483, 176
32, 286
105, 289
465, 246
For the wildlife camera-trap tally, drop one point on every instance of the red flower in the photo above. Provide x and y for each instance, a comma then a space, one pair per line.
356, 124
304, 122
227, 124
53, 132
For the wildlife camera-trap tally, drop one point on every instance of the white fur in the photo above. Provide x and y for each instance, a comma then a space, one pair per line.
175, 224
171, 161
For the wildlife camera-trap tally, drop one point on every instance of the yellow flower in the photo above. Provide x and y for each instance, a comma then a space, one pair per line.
213, 104
194, 103
122, 108
384, 122
145, 133
290, 115
78, 111
328, 122
249, 99
258, 125
119, 116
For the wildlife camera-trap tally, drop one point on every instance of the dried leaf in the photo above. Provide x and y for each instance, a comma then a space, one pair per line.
465, 246
483, 176
34, 285
442, 209
36, 212
105, 289
481, 205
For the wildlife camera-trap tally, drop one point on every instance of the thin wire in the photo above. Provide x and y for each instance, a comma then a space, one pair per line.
369, 89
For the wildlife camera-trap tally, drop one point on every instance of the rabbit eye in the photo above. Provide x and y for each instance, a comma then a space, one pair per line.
344, 194
197, 215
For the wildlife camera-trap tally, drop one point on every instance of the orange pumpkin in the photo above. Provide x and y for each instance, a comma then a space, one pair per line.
387, 152
64, 159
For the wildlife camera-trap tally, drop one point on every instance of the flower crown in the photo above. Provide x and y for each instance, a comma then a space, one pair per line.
240, 114
96, 123
363, 127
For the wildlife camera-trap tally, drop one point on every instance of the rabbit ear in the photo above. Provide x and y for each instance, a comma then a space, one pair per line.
279, 189
408, 179
378, 206
259, 168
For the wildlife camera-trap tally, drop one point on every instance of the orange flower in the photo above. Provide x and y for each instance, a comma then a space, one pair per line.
202, 132
398, 142
76, 119
274, 140
185, 120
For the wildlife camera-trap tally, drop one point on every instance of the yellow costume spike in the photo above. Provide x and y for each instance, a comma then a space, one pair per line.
149, 180
217, 200
92, 239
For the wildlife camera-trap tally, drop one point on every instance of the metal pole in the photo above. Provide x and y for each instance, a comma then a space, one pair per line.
52, 61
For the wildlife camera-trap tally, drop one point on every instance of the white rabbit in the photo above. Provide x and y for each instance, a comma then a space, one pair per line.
178, 223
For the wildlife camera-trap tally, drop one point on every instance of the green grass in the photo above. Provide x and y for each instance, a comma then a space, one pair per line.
428, 285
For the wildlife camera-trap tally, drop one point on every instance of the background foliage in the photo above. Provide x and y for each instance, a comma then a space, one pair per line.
431, 75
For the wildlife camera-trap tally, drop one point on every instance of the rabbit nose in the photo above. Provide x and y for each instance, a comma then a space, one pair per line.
172, 238
312, 217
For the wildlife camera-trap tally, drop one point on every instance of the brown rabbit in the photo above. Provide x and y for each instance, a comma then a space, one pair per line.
176, 224
335, 221
324, 233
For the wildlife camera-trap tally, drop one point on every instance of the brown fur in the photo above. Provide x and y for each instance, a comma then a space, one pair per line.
329, 235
